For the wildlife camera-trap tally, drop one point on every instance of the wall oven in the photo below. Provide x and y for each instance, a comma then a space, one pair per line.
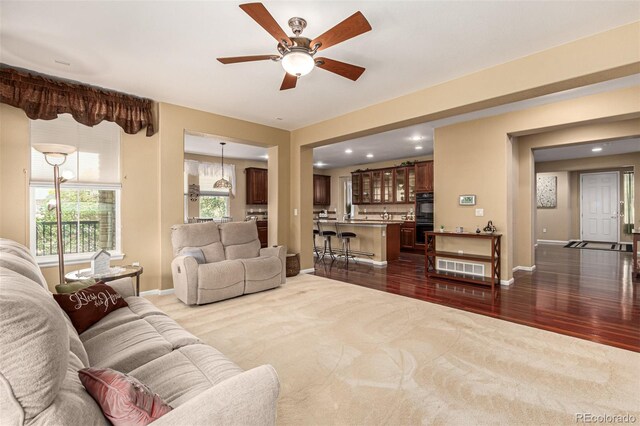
424, 215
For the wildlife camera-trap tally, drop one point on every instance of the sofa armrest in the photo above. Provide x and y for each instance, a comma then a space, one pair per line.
124, 286
184, 270
246, 399
277, 251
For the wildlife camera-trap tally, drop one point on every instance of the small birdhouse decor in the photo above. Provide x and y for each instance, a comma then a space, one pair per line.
100, 263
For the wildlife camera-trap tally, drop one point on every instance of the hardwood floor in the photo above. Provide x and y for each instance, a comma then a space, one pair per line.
590, 294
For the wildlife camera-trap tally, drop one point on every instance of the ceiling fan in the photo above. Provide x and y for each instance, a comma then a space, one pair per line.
297, 53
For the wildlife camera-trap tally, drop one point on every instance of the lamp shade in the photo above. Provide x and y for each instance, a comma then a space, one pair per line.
298, 63
54, 149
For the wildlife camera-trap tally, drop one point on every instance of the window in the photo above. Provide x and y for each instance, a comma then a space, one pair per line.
210, 203
90, 196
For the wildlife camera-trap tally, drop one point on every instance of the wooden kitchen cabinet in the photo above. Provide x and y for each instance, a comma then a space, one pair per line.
356, 188
387, 186
407, 235
424, 176
321, 190
365, 198
376, 186
400, 190
263, 232
257, 185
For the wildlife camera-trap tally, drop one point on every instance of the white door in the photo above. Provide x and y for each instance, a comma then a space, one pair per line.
599, 206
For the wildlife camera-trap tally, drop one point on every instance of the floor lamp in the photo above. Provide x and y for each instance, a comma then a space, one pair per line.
55, 155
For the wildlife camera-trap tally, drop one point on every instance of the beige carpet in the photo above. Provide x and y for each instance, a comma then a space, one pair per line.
351, 355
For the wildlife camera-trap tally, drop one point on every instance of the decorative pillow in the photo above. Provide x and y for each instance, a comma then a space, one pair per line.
74, 286
124, 400
88, 306
196, 253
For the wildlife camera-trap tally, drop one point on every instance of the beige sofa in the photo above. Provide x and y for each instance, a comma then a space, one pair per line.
41, 354
219, 261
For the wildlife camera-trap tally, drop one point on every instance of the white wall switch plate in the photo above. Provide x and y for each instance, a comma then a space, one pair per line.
295, 212
135, 263
544, 229
479, 212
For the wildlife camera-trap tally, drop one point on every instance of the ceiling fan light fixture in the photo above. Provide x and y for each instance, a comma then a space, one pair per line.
298, 63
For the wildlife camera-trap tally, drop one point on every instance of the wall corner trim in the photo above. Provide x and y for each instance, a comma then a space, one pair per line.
525, 268
507, 282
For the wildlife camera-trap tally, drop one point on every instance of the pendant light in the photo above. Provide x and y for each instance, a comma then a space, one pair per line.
222, 183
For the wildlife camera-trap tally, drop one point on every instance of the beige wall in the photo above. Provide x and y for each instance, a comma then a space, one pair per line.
237, 204
616, 163
600, 57
174, 122
140, 207
555, 224
476, 157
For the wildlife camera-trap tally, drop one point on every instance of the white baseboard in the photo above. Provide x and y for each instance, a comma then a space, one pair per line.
157, 292
553, 242
525, 268
506, 282
307, 271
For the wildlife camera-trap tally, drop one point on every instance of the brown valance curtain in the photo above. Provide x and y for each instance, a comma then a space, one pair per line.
44, 97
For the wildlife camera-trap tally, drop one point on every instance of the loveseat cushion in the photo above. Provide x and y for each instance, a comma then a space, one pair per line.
186, 372
35, 346
193, 235
240, 240
262, 273
142, 307
220, 280
126, 346
171, 331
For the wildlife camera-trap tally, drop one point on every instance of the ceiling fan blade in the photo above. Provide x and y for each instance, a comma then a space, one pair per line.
236, 59
261, 15
353, 26
289, 82
352, 72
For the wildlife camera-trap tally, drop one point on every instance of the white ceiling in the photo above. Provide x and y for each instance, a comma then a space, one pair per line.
210, 145
166, 50
622, 146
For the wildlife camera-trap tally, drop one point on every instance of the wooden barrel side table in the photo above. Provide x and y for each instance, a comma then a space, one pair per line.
293, 264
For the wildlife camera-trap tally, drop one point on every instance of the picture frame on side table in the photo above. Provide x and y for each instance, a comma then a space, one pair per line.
467, 200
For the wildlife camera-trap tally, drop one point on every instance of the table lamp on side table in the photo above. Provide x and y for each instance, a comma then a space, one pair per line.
55, 155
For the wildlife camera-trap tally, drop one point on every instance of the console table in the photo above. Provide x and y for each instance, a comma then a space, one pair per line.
493, 258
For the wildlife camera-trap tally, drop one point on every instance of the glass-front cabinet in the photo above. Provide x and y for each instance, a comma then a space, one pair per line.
376, 186
400, 185
411, 184
356, 190
366, 188
387, 185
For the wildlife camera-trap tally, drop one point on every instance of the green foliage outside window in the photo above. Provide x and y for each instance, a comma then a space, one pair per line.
213, 206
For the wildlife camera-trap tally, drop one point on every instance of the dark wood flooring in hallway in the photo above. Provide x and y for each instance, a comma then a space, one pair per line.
589, 294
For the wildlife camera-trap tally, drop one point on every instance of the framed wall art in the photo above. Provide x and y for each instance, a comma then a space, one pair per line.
546, 192
467, 200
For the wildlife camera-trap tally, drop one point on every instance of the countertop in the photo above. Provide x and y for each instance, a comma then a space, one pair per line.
369, 222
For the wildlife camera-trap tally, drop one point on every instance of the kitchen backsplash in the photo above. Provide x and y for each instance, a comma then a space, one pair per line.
375, 210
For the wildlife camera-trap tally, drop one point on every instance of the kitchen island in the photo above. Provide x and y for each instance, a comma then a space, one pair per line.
379, 239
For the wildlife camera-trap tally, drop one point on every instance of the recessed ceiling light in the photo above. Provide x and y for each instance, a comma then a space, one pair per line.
416, 138
418, 147
348, 150
319, 164
596, 149
266, 156
369, 155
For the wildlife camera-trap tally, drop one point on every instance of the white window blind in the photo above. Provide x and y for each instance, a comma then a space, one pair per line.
97, 156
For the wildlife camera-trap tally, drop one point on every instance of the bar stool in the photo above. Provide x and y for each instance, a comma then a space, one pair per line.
345, 238
327, 239
315, 248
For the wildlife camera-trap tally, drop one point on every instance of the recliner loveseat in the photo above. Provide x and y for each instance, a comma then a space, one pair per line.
219, 261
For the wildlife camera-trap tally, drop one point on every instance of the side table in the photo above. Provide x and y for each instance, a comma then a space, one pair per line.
129, 271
